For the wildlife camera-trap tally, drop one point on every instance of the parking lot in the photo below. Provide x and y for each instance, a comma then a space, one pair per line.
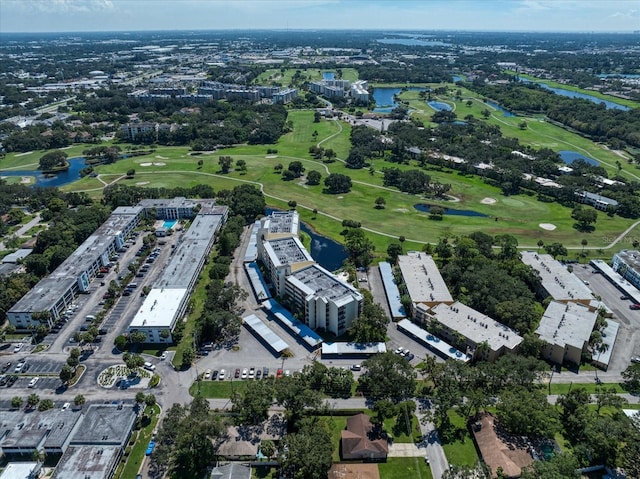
628, 340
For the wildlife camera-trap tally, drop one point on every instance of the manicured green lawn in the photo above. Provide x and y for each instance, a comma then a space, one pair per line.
404, 468
517, 215
337, 424
588, 387
461, 452
217, 389
399, 432
137, 455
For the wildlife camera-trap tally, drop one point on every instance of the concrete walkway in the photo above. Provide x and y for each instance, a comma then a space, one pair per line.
405, 449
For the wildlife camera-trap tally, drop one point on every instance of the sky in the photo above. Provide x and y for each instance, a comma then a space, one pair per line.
474, 15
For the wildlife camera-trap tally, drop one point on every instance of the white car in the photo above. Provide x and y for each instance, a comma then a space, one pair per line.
66, 406
207, 374
18, 347
635, 359
245, 373
33, 382
252, 373
400, 350
222, 374
164, 355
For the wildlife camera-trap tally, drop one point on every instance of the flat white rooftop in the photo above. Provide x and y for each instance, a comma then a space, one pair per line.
363, 349
159, 308
284, 251
437, 345
263, 331
567, 323
556, 280
476, 326
19, 470
423, 279
317, 281
282, 222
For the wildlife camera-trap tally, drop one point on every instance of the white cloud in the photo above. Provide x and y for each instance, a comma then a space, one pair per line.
61, 6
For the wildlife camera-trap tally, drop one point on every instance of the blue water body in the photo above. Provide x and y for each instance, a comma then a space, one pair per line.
384, 98
450, 211
439, 106
169, 224
499, 108
575, 94
569, 157
57, 180
328, 76
413, 42
457, 78
328, 253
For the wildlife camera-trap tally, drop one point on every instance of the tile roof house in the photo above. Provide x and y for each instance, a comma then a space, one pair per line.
358, 442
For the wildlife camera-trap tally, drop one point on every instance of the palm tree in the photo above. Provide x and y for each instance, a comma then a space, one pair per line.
584, 243
540, 245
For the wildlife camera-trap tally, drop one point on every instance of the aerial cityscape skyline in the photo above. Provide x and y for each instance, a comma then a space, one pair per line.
494, 15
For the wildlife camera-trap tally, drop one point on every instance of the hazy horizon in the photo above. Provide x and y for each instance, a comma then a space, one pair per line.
509, 16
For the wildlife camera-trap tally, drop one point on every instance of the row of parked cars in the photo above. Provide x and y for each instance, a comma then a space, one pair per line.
246, 373
405, 353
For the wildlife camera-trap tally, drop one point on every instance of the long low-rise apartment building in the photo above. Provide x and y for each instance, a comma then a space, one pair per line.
328, 303
566, 329
168, 299
627, 264
484, 337
423, 279
556, 280
47, 300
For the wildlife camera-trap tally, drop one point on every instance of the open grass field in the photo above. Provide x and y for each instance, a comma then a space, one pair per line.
461, 452
403, 468
517, 215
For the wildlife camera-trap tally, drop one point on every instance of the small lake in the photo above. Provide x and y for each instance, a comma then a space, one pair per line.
576, 94
328, 76
450, 211
328, 253
493, 104
569, 157
384, 98
413, 42
57, 180
457, 78
439, 106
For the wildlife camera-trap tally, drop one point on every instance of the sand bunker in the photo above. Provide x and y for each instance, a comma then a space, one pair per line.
269, 157
161, 157
146, 164
25, 180
489, 201
401, 210
547, 226
158, 163
142, 183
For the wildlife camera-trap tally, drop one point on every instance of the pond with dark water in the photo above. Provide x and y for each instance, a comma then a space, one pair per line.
440, 106
493, 104
413, 42
384, 97
569, 157
54, 180
576, 94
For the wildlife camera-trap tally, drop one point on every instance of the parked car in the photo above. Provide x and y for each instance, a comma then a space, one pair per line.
237, 374
400, 350
66, 406
150, 448
265, 373
222, 374
18, 347
3, 380
207, 374
252, 373
258, 373
356, 367
12, 379
635, 359
214, 374
245, 373
279, 373
33, 382
6, 366
164, 355
634, 306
